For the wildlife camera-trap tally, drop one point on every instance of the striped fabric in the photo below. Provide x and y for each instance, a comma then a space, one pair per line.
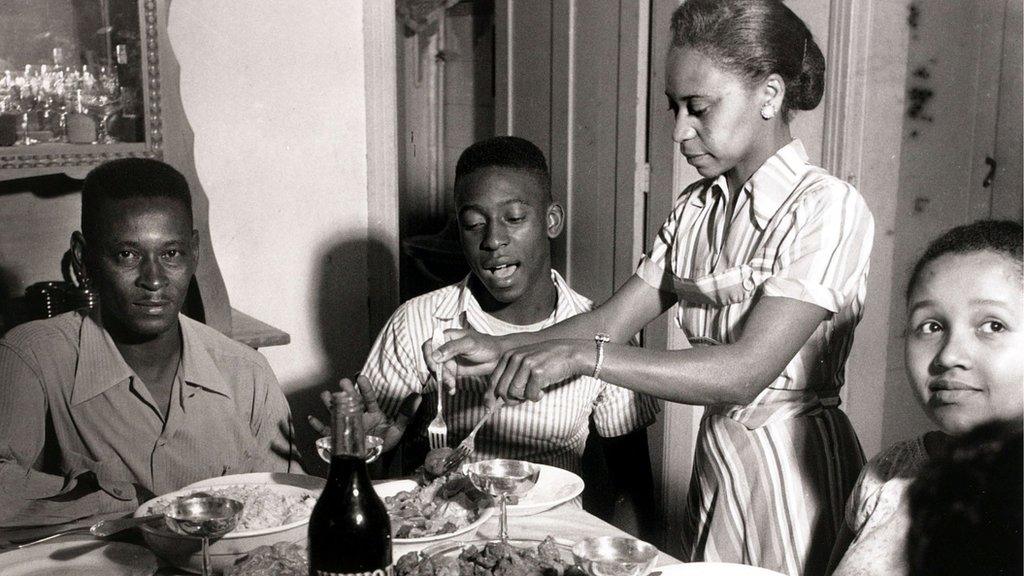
552, 431
771, 477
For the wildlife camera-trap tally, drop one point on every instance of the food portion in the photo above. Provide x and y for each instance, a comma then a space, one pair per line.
433, 464
281, 559
264, 506
492, 559
443, 506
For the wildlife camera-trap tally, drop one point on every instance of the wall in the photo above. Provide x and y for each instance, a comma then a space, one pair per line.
954, 61
274, 93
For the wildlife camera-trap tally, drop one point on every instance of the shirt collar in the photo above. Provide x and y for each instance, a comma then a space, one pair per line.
101, 366
457, 303
769, 185
197, 366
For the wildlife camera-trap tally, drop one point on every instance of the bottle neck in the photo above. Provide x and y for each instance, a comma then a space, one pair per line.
349, 438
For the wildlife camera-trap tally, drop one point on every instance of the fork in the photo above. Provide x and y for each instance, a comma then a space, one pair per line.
468, 444
437, 430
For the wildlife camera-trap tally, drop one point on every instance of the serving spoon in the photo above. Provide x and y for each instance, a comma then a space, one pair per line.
100, 529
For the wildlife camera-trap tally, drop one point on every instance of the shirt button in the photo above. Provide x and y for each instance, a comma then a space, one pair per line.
161, 442
748, 283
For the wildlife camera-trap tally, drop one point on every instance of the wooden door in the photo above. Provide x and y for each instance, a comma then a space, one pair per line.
569, 76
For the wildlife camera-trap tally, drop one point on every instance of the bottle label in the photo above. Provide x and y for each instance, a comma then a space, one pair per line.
389, 571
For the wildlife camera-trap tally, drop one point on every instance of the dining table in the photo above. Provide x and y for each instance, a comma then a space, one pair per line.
567, 522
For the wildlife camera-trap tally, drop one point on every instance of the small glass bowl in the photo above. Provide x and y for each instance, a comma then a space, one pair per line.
614, 556
374, 446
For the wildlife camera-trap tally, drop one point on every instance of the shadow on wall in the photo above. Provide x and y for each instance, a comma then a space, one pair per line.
344, 335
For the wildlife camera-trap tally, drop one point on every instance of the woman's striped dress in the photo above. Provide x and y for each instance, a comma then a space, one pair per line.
770, 478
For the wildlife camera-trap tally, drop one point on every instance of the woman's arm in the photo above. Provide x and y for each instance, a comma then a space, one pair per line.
630, 308
733, 373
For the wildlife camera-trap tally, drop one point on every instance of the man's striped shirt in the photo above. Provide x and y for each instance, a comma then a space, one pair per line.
552, 431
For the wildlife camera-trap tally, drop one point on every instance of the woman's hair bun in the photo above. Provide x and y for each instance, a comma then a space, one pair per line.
756, 38
805, 93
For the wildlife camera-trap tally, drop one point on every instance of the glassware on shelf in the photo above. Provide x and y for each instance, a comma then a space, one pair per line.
61, 103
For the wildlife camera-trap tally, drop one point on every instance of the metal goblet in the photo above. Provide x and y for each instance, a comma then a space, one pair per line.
374, 446
614, 556
502, 479
203, 517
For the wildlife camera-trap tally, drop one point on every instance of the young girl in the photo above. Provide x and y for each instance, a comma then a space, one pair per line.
965, 332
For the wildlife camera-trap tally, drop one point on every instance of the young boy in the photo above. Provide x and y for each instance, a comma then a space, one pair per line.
101, 410
507, 219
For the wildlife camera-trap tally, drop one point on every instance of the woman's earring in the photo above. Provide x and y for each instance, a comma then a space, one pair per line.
767, 111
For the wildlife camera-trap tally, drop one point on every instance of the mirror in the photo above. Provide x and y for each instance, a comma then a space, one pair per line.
79, 83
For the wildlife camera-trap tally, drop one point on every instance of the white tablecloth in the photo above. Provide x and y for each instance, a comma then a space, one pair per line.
568, 522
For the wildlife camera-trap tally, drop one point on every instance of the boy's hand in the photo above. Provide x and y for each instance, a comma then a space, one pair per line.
375, 421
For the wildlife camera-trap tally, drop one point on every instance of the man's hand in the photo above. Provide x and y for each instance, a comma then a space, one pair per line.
283, 445
465, 353
375, 422
523, 373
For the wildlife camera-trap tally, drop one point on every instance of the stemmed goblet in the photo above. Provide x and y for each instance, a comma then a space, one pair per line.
503, 479
203, 517
374, 446
614, 556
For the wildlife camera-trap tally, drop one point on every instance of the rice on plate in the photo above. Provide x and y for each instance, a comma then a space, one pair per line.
276, 508
263, 505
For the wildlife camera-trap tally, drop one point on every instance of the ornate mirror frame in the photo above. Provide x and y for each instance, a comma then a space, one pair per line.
48, 158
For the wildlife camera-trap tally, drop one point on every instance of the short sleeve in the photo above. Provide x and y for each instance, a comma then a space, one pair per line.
619, 411
859, 505
824, 256
655, 267
392, 366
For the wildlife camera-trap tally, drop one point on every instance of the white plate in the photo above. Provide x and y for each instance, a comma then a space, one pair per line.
81, 558
393, 487
554, 486
713, 569
280, 482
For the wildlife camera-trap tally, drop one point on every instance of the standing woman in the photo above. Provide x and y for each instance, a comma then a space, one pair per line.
767, 257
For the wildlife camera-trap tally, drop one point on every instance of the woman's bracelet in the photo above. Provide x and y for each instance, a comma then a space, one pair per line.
599, 340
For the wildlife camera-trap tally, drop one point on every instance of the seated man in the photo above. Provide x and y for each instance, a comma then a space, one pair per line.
100, 410
506, 221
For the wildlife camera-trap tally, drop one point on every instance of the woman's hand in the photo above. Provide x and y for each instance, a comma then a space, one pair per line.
465, 353
523, 373
375, 421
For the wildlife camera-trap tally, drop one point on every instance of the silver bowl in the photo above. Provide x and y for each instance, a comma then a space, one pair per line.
499, 477
614, 556
374, 446
203, 516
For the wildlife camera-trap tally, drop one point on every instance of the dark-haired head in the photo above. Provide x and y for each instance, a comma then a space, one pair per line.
129, 178
755, 38
507, 220
509, 152
137, 246
965, 506
1001, 237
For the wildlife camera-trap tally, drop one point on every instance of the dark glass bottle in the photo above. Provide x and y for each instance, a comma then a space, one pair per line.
349, 530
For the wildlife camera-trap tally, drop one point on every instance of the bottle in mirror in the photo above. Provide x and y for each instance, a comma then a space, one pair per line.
349, 529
